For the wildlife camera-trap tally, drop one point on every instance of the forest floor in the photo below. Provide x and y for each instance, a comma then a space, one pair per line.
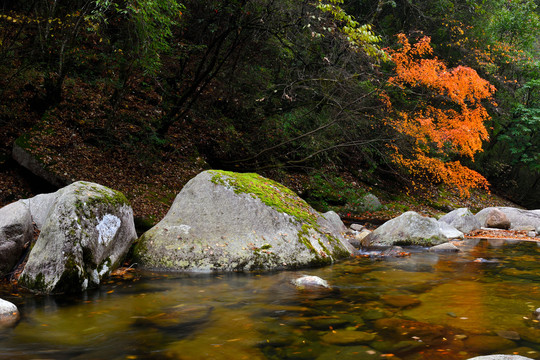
78, 141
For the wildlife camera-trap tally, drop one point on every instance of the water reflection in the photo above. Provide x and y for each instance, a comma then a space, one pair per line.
425, 306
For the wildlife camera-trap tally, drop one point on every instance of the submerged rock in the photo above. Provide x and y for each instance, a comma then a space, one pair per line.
16, 231
182, 319
527, 352
225, 221
462, 219
404, 329
9, 314
408, 229
347, 337
485, 344
88, 231
359, 352
509, 334
400, 301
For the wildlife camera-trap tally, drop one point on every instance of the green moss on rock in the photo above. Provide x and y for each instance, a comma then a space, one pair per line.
37, 284
271, 193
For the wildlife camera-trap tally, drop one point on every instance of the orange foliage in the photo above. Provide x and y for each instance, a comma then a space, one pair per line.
447, 119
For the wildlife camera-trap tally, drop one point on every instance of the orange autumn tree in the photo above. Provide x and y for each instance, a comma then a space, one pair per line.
442, 117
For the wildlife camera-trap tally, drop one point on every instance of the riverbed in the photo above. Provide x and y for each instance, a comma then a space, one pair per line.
421, 306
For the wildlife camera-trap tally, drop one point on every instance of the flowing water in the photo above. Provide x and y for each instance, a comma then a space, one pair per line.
422, 306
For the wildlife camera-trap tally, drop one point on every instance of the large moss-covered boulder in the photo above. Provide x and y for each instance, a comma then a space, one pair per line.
410, 228
15, 232
86, 234
225, 221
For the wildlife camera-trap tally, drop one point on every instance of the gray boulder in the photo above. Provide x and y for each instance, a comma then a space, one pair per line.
87, 233
9, 314
500, 357
334, 220
40, 206
462, 219
410, 228
370, 202
16, 231
518, 218
450, 232
225, 221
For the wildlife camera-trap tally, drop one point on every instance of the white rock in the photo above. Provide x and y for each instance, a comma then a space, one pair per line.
9, 314
310, 281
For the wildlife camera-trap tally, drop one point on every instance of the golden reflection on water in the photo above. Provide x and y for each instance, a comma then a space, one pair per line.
263, 316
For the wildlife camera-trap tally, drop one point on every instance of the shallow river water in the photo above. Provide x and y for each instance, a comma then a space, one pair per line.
422, 306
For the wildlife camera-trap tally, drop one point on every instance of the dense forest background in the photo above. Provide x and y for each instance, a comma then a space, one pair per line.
333, 98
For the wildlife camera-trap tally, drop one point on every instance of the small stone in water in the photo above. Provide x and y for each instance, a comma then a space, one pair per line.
451, 314
512, 335
308, 280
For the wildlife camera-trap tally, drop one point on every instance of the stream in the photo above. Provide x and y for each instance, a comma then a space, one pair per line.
423, 306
